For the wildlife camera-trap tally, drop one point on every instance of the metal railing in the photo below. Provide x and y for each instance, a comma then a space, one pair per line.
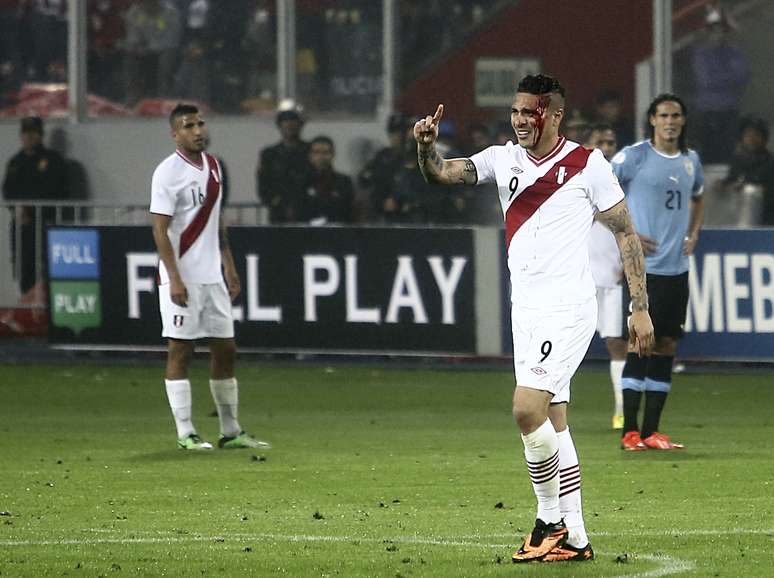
22, 229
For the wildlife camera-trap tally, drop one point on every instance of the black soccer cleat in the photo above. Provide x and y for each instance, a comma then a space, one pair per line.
570, 554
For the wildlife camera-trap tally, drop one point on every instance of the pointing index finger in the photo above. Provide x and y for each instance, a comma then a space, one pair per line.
438, 114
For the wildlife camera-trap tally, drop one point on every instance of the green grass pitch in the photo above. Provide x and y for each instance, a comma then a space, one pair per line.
374, 472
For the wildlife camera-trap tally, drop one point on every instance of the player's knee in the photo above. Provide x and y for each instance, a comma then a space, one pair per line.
526, 418
224, 354
179, 352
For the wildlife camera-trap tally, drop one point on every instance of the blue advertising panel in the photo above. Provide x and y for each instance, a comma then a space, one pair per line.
730, 313
731, 307
73, 254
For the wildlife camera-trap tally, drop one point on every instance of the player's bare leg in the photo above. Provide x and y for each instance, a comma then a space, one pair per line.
541, 450
225, 394
179, 353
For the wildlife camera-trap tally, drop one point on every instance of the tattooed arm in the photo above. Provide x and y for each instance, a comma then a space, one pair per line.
229, 268
434, 168
618, 220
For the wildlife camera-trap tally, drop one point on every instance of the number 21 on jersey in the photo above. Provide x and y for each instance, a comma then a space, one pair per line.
674, 200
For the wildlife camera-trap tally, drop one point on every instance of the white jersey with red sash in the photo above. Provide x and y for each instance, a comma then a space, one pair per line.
191, 195
549, 205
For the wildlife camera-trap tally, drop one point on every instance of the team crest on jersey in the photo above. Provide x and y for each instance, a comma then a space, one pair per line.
688, 167
539, 371
517, 170
177, 320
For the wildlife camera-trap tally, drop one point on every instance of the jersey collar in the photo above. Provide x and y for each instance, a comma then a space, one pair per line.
181, 154
554, 151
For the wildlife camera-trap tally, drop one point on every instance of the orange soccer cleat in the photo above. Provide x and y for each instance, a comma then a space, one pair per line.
631, 442
659, 441
541, 541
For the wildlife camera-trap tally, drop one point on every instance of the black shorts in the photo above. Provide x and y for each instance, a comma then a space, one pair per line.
668, 304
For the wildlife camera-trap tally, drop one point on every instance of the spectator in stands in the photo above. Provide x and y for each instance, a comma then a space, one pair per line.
377, 178
153, 33
48, 28
753, 164
283, 168
192, 79
576, 127
11, 63
105, 58
720, 75
608, 109
259, 46
422, 202
483, 201
227, 66
503, 133
35, 173
327, 196
479, 137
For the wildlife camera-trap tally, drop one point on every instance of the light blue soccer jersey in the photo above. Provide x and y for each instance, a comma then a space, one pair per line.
658, 190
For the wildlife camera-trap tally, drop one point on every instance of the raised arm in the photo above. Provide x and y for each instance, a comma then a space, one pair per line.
434, 168
618, 220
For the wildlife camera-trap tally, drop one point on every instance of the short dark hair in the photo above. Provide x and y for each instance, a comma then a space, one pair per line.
601, 126
669, 97
540, 84
322, 139
607, 95
32, 124
181, 109
290, 114
754, 123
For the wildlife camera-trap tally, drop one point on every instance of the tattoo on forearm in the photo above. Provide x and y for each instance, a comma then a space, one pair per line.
468, 175
430, 163
632, 258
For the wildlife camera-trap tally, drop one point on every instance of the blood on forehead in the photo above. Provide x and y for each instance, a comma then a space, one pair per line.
543, 101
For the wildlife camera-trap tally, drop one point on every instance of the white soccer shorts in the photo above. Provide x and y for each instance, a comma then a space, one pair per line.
610, 319
208, 313
549, 345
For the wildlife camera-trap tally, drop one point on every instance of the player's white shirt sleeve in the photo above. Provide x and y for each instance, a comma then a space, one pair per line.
484, 162
604, 190
163, 195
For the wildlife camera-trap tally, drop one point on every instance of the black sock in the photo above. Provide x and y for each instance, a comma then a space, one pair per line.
654, 405
632, 384
631, 407
657, 386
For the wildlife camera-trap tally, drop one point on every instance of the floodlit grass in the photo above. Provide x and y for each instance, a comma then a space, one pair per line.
375, 472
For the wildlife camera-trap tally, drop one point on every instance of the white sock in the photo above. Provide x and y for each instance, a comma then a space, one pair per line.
225, 394
179, 396
570, 491
541, 449
616, 373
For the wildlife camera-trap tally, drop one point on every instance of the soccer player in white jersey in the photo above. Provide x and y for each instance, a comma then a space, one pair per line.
605, 261
664, 182
194, 300
549, 190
